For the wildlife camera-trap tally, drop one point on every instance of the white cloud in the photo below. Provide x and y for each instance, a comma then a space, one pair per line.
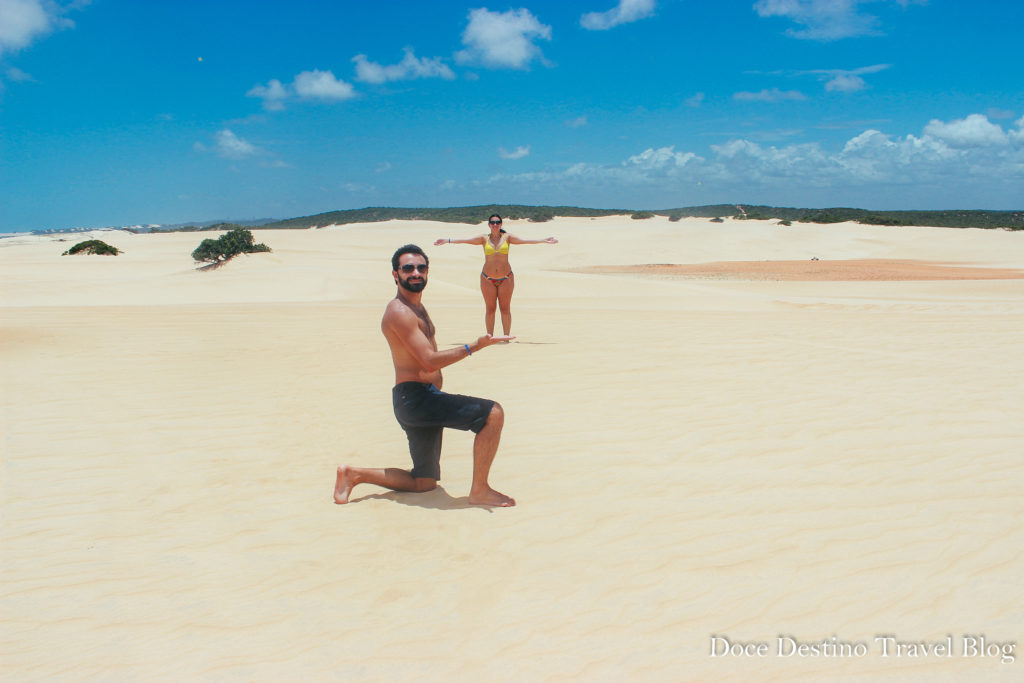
625, 12
662, 158
974, 131
358, 188
273, 94
773, 95
577, 122
824, 20
845, 83
322, 85
845, 80
502, 40
230, 146
17, 75
995, 113
940, 162
410, 67
22, 21
696, 100
836, 80
517, 153
759, 163
1018, 135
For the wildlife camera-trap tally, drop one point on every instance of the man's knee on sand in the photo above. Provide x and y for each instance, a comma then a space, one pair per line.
424, 484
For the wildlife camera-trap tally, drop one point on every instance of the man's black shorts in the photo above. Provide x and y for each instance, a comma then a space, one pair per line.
424, 411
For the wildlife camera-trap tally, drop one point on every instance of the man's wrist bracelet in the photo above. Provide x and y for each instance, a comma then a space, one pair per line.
467, 349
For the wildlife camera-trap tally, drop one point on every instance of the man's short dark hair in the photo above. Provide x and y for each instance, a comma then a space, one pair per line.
407, 249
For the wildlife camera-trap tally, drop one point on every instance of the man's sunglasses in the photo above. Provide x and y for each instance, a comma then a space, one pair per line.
411, 267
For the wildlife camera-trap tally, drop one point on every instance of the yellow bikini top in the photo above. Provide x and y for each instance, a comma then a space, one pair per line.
489, 248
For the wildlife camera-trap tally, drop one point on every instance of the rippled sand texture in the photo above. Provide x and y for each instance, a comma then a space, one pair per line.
691, 457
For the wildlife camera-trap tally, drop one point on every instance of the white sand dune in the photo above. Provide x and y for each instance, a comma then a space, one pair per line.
691, 458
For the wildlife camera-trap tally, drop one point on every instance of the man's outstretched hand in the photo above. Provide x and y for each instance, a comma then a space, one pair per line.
489, 339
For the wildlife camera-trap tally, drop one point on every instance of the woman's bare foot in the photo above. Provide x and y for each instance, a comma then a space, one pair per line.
343, 485
491, 497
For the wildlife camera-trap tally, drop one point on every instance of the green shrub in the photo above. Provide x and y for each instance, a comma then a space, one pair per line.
92, 247
227, 246
642, 215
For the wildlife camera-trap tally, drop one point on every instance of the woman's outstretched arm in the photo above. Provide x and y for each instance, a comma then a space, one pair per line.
479, 239
512, 239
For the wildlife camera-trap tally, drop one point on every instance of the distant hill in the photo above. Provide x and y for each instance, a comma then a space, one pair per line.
1013, 220
203, 225
1010, 220
461, 214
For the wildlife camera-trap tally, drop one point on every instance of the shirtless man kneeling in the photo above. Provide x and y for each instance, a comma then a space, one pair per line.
422, 409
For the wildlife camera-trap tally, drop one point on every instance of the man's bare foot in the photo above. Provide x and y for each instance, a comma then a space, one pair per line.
491, 497
343, 485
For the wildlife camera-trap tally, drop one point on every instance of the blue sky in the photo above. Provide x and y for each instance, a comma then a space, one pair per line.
119, 112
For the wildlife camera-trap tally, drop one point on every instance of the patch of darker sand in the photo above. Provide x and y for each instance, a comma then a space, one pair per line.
812, 271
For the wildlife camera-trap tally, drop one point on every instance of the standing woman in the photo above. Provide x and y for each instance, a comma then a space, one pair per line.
496, 279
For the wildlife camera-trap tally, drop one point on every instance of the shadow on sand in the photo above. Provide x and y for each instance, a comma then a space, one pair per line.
438, 499
516, 341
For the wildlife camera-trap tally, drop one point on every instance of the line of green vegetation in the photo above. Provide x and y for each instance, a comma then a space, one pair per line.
459, 214
199, 228
1011, 220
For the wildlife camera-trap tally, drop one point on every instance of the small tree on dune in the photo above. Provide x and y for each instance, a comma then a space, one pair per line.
227, 246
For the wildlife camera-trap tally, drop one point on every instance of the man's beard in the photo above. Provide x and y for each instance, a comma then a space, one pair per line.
412, 286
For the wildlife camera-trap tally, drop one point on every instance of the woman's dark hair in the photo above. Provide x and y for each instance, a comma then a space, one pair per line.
407, 249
